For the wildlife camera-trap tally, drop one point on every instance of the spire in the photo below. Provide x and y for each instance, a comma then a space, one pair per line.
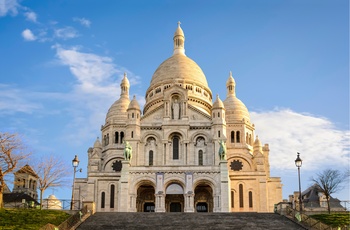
230, 85
179, 41
124, 87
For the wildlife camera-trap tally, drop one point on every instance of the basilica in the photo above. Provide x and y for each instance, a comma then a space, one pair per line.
182, 152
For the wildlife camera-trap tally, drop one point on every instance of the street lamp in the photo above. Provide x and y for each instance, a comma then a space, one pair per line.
75, 163
298, 163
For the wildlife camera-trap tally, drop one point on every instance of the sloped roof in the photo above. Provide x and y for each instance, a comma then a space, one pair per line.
28, 170
17, 197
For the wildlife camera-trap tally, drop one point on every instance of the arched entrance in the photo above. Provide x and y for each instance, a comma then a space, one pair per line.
174, 199
145, 201
203, 199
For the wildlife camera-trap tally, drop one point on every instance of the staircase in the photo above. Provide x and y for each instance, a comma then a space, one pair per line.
180, 221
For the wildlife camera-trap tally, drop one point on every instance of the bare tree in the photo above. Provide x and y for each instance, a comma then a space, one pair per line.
52, 172
11, 154
330, 181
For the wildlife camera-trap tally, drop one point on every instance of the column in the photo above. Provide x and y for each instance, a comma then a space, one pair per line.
225, 198
123, 199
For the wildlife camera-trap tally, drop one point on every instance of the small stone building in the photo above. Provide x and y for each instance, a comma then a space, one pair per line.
175, 140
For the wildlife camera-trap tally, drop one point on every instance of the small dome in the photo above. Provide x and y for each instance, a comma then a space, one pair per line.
118, 110
230, 80
97, 143
235, 108
134, 104
218, 103
179, 31
52, 197
257, 142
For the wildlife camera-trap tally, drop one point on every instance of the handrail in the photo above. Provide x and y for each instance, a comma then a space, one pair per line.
75, 219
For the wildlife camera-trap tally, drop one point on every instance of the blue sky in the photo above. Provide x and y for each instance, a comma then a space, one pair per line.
61, 63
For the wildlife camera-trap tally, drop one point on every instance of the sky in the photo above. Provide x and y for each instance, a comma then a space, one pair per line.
61, 64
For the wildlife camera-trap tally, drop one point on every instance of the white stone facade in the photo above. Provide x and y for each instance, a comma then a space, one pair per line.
175, 164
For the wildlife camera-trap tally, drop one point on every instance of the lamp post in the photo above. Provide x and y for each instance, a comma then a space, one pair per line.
75, 163
298, 163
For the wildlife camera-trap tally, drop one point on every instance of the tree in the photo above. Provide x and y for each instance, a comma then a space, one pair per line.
330, 181
11, 154
52, 172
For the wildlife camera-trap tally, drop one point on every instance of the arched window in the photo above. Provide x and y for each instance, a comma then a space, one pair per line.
219, 133
103, 200
116, 137
250, 199
175, 148
241, 196
107, 139
232, 136
30, 183
121, 137
132, 134
111, 205
200, 157
150, 158
232, 199
238, 137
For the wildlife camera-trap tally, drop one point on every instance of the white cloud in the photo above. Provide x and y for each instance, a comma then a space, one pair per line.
66, 33
8, 6
30, 16
96, 88
28, 35
83, 21
320, 143
15, 100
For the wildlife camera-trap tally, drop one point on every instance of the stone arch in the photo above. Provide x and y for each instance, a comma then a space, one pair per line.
244, 159
150, 133
145, 196
109, 165
174, 196
203, 196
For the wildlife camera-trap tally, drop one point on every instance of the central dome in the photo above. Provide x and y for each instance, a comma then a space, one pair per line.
179, 68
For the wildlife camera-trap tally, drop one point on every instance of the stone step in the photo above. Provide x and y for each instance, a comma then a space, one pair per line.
207, 221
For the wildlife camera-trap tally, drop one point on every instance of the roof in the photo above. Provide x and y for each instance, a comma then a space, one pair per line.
27, 170
17, 198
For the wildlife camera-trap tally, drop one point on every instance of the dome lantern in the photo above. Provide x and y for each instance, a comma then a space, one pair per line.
179, 41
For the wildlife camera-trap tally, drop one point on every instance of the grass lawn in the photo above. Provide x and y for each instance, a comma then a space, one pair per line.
334, 219
11, 219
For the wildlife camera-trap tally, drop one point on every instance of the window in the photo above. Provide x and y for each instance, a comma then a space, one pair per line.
111, 205
232, 199
175, 148
132, 134
218, 133
121, 137
116, 138
232, 136
200, 157
218, 114
241, 196
250, 199
132, 115
238, 137
150, 158
103, 200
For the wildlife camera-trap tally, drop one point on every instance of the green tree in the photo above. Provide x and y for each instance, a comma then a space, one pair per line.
330, 181
12, 152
